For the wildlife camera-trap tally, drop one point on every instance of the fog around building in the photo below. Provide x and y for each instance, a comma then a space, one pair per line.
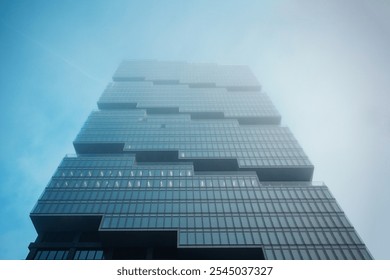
324, 64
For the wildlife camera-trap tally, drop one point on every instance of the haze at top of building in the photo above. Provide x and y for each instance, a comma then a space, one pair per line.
324, 65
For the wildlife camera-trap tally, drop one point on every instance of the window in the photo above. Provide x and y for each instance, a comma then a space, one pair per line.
51, 255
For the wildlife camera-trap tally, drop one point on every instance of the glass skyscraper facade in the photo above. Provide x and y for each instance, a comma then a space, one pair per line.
188, 161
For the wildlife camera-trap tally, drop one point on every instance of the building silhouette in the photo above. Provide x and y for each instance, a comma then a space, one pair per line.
188, 161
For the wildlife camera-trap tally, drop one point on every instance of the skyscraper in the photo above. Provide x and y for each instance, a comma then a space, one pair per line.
188, 161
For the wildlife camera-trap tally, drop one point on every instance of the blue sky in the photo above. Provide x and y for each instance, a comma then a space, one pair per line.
325, 65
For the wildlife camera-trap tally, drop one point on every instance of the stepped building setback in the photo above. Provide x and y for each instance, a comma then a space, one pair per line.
188, 161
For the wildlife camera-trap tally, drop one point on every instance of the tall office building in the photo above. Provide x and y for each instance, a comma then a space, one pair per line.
188, 161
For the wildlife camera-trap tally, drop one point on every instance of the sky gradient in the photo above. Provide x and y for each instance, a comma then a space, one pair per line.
324, 64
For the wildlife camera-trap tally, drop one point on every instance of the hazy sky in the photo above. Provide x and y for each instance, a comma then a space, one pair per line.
325, 65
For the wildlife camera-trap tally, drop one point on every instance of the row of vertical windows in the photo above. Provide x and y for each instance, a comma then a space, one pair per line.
187, 135
175, 121
247, 100
188, 207
273, 162
303, 221
268, 238
108, 192
151, 132
89, 255
189, 132
111, 135
194, 143
116, 119
63, 255
317, 253
51, 255
210, 128
96, 162
218, 185
217, 150
123, 173
197, 181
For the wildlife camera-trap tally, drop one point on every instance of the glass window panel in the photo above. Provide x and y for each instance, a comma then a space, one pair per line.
313, 237
356, 254
191, 238
322, 238
344, 221
313, 254
213, 221
51, 255
338, 237
289, 238
252, 222
305, 221
287, 254
232, 238
229, 222
207, 238
144, 222
99, 255
263, 208
199, 238
83, 255
248, 207
206, 222
295, 254
91, 255
224, 238
281, 238
122, 222
255, 207
270, 207
366, 255
278, 254
260, 222
240, 238
248, 238
236, 220
346, 237
330, 237
174, 222
348, 254
267, 222
212, 208
273, 239
283, 221
306, 238
244, 222
167, 222
355, 238
275, 221
137, 222
216, 239
190, 222
256, 238
270, 254
153, 221
339, 254
313, 221
290, 221
221, 222
331, 255
198, 222
305, 255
